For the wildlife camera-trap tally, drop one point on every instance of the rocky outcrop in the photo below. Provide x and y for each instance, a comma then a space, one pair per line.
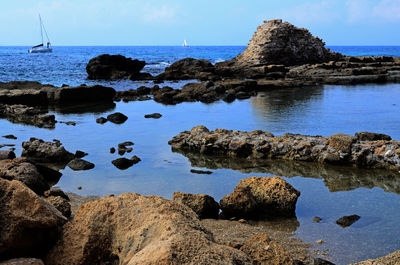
203, 205
135, 229
28, 224
391, 259
188, 68
259, 197
281, 43
22, 261
337, 149
46, 152
27, 115
108, 67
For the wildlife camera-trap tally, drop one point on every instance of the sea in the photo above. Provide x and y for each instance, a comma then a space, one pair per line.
327, 192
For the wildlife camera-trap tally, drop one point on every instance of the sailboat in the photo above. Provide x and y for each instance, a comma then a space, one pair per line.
184, 43
40, 48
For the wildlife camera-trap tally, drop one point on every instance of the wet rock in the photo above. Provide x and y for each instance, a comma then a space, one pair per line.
196, 171
203, 205
125, 163
346, 221
369, 136
22, 261
112, 150
135, 229
262, 250
319, 261
80, 154
6, 155
108, 67
135, 159
101, 120
27, 115
187, 68
153, 116
124, 145
60, 204
259, 197
46, 152
28, 224
24, 171
117, 118
80, 164
391, 259
10, 136
72, 123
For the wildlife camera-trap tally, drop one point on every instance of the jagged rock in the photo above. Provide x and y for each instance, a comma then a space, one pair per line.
276, 42
264, 251
346, 221
107, 67
46, 152
391, 259
117, 118
56, 192
22, 261
187, 68
80, 164
6, 155
135, 229
60, 204
204, 205
80, 154
28, 224
258, 197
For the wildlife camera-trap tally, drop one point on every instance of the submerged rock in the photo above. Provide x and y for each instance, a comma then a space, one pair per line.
28, 224
153, 116
258, 197
346, 221
204, 205
135, 229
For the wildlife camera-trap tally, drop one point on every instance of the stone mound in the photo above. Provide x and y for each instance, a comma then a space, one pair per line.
277, 42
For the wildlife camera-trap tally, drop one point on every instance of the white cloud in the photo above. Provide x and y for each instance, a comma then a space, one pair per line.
159, 13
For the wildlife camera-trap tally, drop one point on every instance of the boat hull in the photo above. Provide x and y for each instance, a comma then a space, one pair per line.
40, 50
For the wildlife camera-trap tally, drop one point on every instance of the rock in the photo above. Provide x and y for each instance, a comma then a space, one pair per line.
195, 171
60, 204
204, 205
125, 144
56, 192
187, 68
112, 150
317, 219
101, 120
264, 251
320, 241
369, 136
135, 229
10, 136
80, 164
341, 142
277, 42
80, 154
22, 261
22, 170
135, 159
79, 187
258, 197
28, 224
6, 155
153, 116
346, 221
117, 118
108, 67
124, 163
391, 259
68, 123
27, 115
319, 261
46, 152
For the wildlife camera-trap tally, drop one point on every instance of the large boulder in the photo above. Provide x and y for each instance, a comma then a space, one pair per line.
107, 66
281, 43
134, 229
204, 205
80, 95
258, 197
46, 152
28, 224
187, 68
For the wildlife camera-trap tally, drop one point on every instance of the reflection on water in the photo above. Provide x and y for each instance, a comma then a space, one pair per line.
84, 108
336, 178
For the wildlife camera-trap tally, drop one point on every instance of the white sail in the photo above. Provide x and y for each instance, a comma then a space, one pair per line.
184, 43
41, 48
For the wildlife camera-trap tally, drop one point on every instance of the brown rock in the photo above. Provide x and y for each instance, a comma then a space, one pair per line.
135, 229
257, 197
28, 224
46, 152
6, 154
22, 261
341, 142
204, 205
61, 204
264, 251
391, 259
369, 136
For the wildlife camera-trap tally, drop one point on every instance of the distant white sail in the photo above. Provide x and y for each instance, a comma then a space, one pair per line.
41, 48
184, 43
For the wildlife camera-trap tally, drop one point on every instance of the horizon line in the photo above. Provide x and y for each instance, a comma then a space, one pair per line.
230, 45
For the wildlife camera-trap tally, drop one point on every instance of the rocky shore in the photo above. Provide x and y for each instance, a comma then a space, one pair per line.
364, 150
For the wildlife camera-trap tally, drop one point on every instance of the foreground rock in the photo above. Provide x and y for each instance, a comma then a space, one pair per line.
6, 155
28, 224
259, 197
108, 67
203, 205
135, 229
61, 204
337, 149
46, 152
391, 259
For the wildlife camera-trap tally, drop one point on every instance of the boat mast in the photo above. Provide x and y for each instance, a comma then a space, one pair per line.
41, 31
45, 32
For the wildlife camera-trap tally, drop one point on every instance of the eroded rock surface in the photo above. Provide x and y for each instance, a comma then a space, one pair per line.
391, 259
337, 149
27, 115
135, 229
204, 205
188, 68
46, 152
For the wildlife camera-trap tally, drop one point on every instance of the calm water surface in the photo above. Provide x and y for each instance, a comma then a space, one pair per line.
328, 192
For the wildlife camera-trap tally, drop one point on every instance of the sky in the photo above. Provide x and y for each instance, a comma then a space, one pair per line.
200, 22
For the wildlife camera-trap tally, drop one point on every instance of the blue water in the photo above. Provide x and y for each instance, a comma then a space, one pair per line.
321, 110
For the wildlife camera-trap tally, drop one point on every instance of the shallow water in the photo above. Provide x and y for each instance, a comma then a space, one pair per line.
328, 192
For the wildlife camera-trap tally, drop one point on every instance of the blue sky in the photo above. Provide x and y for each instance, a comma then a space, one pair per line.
206, 22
